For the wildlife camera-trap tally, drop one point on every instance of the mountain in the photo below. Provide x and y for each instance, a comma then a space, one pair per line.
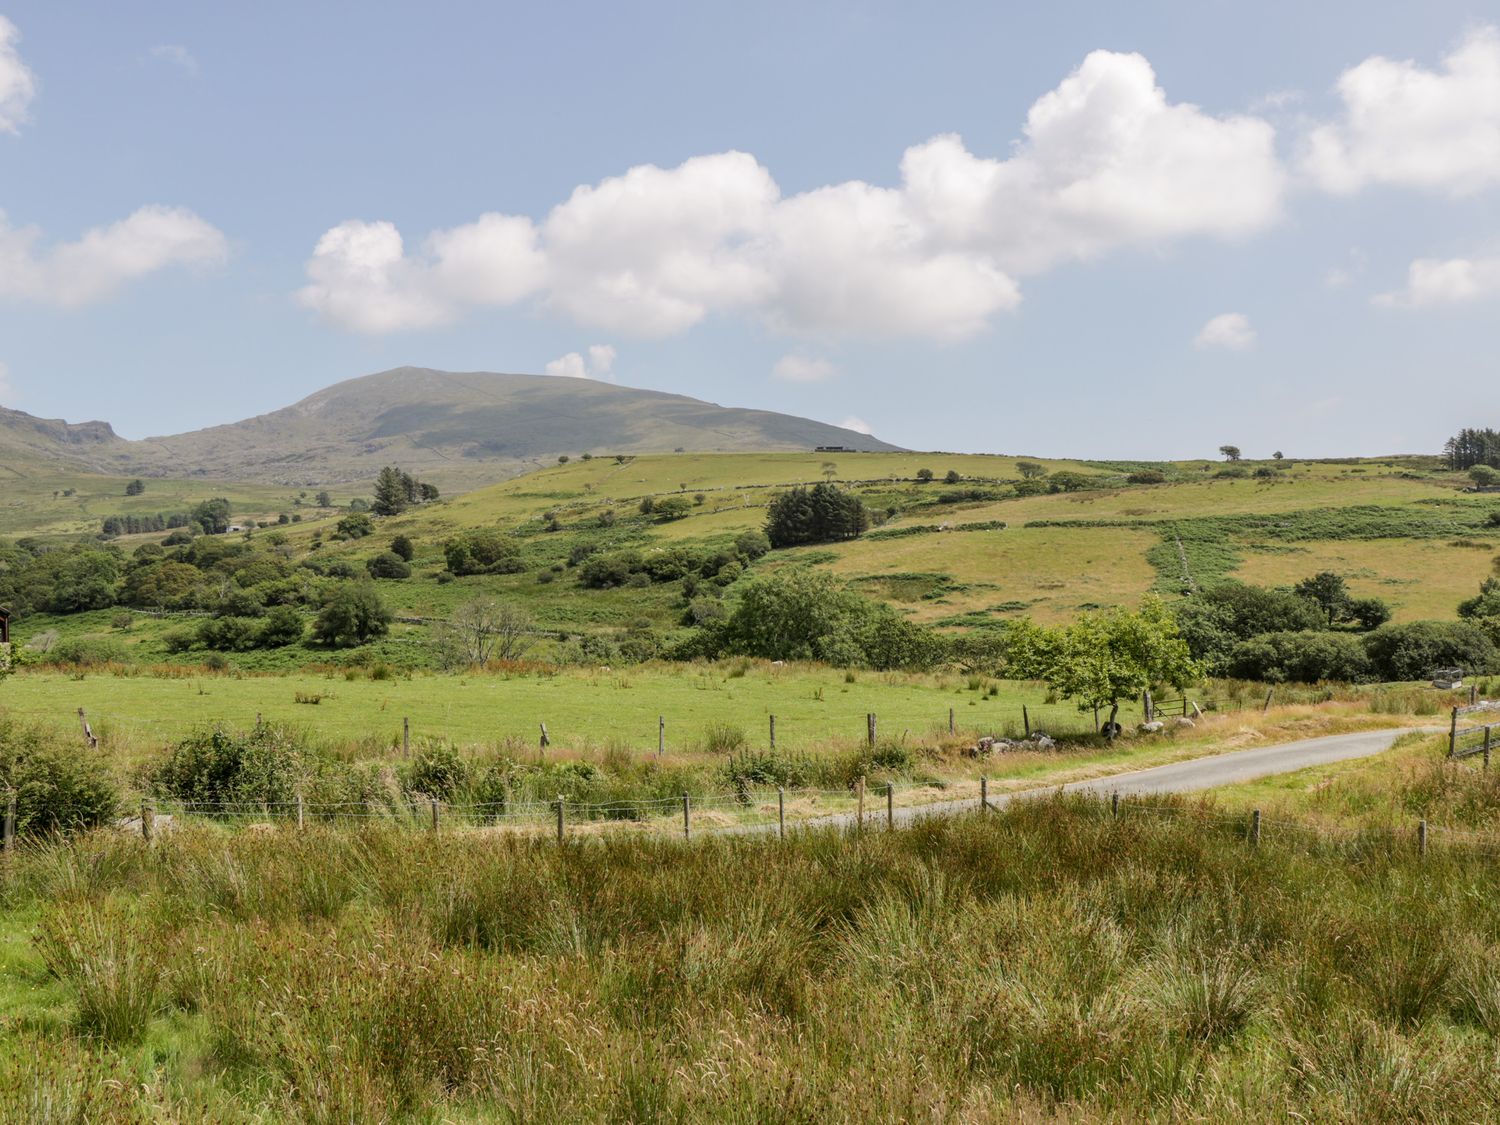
458, 430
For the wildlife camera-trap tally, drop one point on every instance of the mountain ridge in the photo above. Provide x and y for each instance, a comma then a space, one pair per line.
458, 429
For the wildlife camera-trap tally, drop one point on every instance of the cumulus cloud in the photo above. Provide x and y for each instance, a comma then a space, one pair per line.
1433, 281
1230, 331
1409, 126
1105, 161
858, 425
17, 83
104, 258
796, 368
599, 364
175, 54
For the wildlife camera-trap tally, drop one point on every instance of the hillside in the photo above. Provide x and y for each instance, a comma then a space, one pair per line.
459, 430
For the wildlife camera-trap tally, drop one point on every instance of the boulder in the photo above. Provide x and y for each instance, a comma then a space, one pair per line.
1181, 723
1152, 727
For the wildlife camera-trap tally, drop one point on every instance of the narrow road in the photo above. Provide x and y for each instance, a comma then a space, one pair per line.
1179, 777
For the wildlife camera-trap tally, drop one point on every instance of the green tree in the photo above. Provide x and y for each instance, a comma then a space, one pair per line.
1484, 476
1230, 452
1328, 590
135, 487
924, 475
388, 564
353, 613
484, 550
356, 525
952, 477
402, 547
1102, 658
393, 492
1030, 470
212, 516
820, 514
324, 500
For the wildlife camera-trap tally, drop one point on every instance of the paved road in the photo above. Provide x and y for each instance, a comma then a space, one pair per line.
1179, 777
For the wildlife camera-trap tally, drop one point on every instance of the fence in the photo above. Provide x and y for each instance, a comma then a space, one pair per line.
1475, 738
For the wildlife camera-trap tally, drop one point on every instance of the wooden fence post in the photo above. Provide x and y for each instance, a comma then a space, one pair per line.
437, 812
1114, 804
148, 821
406, 737
559, 818
890, 804
870, 732
950, 720
1453, 734
1267, 705
1184, 704
1487, 731
8, 832
88, 732
661, 735
1026, 719
1255, 828
1096, 718
859, 793
984, 791
687, 817
781, 812
773, 732
546, 741
1422, 837
301, 813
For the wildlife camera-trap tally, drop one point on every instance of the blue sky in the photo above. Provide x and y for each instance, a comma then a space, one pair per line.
1165, 226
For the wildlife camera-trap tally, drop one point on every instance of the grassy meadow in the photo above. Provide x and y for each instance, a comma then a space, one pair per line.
1049, 962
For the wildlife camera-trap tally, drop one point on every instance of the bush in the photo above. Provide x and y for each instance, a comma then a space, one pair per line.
281, 627
1147, 476
216, 766
356, 525
58, 790
1412, 651
752, 545
229, 634
403, 548
1306, 657
388, 564
605, 571
87, 652
437, 771
484, 551
352, 615
672, 508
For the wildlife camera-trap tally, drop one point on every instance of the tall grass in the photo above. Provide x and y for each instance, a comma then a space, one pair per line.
1050, 961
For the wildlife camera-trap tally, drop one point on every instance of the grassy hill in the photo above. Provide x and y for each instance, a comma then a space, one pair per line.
458, 430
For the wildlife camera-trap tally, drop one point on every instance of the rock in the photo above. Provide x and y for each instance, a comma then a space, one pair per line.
1181, 723
778, 664
1152, 727
1044, 743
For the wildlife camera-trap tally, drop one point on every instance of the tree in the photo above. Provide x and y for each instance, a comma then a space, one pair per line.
819, 514
324, 500
1277, 455
924, 475
483, 630
952, 477
388, 564
402, 547
281, 627
212, 516
1487, 604
1328, 590
1101, 659
1473, 447
830, 470
1367, 613
563, 460
392, 492
352, 614
672, 508
484, 550
1070, 482
1484, 476
1230, 452
356, 525
1030, 470
135, 487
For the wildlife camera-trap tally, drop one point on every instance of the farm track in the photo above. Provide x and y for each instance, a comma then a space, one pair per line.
1190, 776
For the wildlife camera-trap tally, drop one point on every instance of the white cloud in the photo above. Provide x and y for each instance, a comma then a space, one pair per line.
1106, 161
796, 368
17, 83
599, 364
104, 258
1409, 126
858, 425
1231, 331
175, 54
1432, 281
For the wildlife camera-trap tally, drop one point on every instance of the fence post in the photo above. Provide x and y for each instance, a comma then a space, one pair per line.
890, 804
1114, 804
1453, 734
1487, 731
984, 791
1096, 718
148, 821
859, 792
1267, 705
781, 812
406, 737
1026, 719
950, 721
661, 735
1473, 694
1422, 837
546, 741
773, 732
870, 723
687, 817
559, 818
437, 807
8, 834
301, 814
1255, 828
88, 732
1184, 705
1148, 706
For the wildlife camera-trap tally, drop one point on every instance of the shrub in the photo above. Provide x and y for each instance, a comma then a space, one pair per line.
217, 766
1147, 476
1411, 651
87, 652
484, 551
356, 525
281, 627
602, 571
403, 548
751, 545
352, 615
437, 771
58, 790
672, 508
1306, 657
388, 564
